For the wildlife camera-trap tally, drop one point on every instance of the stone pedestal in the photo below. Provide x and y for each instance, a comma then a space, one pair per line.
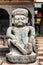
21, 59
35, 63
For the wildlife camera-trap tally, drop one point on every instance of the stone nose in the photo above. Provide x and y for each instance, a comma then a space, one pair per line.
20, 21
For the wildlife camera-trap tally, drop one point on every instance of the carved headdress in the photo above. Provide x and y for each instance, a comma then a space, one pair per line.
20, 11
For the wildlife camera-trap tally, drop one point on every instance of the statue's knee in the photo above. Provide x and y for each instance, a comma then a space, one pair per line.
28, 48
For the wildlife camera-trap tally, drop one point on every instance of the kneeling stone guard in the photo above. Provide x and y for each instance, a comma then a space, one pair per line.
21, 40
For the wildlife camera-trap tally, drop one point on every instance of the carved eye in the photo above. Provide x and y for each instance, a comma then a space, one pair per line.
22, 18
16, 18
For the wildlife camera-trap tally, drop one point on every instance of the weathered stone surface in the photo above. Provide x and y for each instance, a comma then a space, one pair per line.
23, 50
22, 38
35, 63
21, 58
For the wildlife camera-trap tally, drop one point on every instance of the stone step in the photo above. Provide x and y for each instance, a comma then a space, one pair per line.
41, 63
41, 48
4, 49
40, 57
40, 60
39, 42
39, 45
39, 38
40, 52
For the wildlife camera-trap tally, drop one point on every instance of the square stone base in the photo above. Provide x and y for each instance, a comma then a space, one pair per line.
21, 59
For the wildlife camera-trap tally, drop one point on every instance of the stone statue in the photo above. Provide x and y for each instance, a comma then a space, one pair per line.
21, 40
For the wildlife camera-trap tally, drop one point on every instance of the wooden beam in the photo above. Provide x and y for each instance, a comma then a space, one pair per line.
16, 1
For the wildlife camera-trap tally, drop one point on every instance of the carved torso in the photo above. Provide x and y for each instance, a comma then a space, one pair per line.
21, 40
21, 34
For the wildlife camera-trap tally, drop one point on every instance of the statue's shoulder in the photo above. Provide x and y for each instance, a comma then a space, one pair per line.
9, 28
31, 27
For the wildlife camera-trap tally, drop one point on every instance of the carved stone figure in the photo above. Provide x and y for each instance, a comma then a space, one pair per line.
21, 40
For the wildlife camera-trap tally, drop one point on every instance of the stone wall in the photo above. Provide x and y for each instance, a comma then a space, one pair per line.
10, 8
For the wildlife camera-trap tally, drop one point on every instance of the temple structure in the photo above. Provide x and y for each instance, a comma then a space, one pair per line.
17, 29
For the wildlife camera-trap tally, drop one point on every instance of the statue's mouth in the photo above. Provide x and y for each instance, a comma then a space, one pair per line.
19, 25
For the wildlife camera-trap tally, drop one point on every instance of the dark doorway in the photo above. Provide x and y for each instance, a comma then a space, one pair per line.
41, 24
4, 21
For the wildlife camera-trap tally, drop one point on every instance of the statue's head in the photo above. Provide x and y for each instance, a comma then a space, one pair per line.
20, 17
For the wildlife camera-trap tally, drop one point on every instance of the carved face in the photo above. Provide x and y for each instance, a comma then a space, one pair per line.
20, 20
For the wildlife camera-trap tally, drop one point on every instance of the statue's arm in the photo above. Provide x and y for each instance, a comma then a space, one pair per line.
14, 41
9, 34
32, 39
32, 34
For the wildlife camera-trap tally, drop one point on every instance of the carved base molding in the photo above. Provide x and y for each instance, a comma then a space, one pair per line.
21, 59
35, 63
